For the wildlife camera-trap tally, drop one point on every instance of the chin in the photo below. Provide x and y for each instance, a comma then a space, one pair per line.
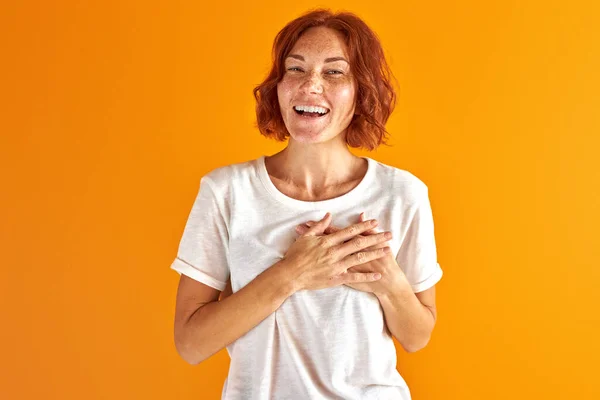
319, 137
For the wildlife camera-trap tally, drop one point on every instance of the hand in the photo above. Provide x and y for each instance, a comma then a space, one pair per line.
386, 266
317, 260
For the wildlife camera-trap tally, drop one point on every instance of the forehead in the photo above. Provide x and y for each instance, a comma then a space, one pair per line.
320, 41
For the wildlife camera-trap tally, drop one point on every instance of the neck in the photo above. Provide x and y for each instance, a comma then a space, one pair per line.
315, 168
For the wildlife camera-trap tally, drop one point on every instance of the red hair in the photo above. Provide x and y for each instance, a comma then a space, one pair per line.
375, 99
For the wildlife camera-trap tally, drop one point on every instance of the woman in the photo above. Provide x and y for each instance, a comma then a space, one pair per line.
307, 315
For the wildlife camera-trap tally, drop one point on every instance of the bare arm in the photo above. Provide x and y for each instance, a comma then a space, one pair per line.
206, 329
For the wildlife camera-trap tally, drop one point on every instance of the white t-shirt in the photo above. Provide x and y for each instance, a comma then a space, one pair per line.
319, 344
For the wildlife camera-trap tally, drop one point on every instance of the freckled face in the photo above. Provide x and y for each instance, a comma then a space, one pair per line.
311, 79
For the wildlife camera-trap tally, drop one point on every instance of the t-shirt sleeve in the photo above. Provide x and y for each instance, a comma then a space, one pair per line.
417, 255
202, 253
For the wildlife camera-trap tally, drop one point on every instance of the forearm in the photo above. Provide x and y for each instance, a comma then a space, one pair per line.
409, 321
217, 324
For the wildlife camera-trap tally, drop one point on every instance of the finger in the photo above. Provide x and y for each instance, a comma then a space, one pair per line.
302, 229
330, 228
320, 226
355, 277
378, 246
351, 231
363, 257
360, 243
361, 219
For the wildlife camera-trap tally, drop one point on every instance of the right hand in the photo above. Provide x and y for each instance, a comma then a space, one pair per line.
317, 260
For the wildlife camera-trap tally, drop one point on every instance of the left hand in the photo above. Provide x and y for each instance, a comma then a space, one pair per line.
386, 266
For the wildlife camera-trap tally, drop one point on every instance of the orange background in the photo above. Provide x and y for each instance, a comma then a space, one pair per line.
113, 110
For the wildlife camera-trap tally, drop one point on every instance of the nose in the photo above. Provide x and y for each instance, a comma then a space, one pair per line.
313, 83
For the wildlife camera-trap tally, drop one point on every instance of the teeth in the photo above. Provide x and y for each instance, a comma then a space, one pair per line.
320, 110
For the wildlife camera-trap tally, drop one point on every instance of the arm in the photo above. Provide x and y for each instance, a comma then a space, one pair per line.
409, 316
214, 325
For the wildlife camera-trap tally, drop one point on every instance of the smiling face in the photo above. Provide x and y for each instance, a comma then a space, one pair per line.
317, 73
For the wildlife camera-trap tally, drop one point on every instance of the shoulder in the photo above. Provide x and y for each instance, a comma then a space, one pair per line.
401, 182
221, 178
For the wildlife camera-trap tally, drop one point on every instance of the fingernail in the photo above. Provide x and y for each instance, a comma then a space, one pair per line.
376, 276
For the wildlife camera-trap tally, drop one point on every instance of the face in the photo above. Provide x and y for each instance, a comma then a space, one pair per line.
316, 74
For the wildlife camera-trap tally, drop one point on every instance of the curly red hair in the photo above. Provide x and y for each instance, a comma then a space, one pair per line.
376, 97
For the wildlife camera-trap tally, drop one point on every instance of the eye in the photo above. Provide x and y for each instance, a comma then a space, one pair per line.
333, 70
293, 68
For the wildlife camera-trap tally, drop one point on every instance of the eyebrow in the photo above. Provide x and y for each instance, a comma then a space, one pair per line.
330, 59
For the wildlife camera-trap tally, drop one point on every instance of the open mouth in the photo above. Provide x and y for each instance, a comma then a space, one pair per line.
310, 114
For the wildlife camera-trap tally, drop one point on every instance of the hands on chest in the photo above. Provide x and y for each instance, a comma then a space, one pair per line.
326, 256
386, 265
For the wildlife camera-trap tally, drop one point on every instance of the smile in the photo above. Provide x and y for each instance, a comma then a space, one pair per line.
308, 114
